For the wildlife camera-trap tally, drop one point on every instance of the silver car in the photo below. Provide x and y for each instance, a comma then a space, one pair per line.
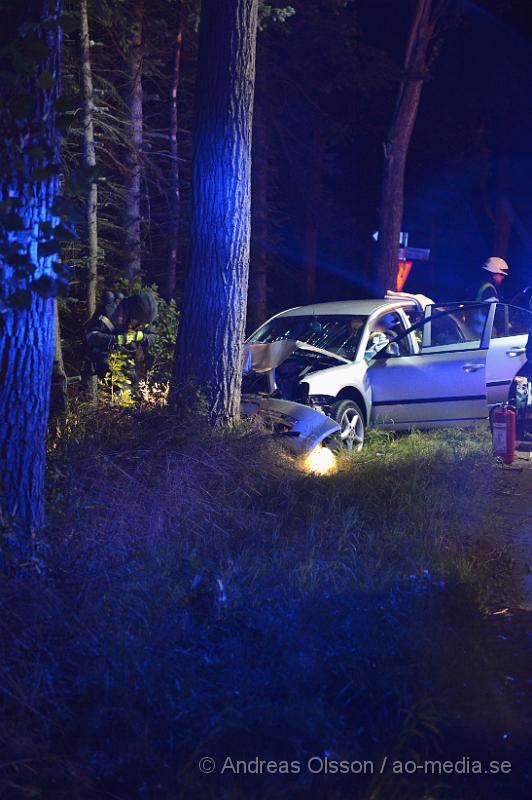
394, 364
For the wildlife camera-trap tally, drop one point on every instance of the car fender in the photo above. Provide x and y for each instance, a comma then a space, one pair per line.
301, 427
334, 380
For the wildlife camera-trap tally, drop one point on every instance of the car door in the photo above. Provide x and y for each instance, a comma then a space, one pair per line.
506, 354
441, 384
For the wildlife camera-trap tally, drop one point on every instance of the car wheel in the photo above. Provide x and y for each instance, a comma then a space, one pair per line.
352, 428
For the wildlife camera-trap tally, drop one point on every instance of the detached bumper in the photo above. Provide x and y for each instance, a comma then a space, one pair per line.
300, 426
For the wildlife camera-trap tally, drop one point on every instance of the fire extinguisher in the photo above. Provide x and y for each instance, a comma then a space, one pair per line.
503, 432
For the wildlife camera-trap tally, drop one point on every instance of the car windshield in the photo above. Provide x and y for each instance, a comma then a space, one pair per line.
339, 334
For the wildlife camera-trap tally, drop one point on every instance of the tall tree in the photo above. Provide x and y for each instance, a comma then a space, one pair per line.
30, 82
89, 162
133, 203
89, 158
258, 275
174, 183
311, 231
415, 73
209, 349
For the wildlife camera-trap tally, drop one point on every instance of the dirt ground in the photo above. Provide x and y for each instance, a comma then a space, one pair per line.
515, 492
506, 711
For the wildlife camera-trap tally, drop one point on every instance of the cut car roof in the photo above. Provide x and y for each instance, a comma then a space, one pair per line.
357, 307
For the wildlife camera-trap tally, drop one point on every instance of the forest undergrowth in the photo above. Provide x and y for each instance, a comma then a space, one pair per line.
200, 595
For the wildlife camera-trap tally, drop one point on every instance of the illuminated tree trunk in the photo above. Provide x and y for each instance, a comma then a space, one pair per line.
209, 350
258, 272
415, 71
27, 328
133, 221
175, 189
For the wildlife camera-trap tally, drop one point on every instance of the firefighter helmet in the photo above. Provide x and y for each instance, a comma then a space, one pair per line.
496, 265
142, 307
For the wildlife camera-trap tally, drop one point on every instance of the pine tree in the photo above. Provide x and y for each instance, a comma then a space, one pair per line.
30, 83
209, 350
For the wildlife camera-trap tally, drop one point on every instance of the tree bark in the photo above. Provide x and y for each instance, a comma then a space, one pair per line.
258, 272
415, 72
209, 350
59, 390
174, 180
503, 217
89, 159
312, 217
27, 333
133, 220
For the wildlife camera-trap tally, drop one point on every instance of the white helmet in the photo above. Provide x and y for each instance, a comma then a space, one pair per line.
496, 265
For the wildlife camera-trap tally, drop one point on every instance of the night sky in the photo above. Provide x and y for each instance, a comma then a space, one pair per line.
470, 152
475, 129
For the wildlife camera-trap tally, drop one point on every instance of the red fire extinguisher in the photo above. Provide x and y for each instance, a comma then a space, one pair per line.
503, 432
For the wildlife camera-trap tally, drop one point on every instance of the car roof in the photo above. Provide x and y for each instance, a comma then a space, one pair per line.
356, 307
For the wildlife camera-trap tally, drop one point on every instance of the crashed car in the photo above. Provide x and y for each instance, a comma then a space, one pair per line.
326, 373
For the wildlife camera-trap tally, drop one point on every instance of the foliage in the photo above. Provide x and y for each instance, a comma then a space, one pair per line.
270, 13
206, 597
162, 350
30, 243
119, 379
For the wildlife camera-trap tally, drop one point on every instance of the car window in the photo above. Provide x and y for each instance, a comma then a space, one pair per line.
384, 332
414, 315
339, 333
458, 328
500, 322
511, 321
446, 327
519, 321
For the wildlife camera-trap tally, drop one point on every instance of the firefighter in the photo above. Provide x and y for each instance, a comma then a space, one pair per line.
498, 269
123, 324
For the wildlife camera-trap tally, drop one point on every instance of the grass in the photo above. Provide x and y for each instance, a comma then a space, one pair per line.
204, 596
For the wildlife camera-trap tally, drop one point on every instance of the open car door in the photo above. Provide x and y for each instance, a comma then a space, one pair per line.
507, 349
442, 381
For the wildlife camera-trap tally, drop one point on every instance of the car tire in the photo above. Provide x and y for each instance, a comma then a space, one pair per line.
350, 418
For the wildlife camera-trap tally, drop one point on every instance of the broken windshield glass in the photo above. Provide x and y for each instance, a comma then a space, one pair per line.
339, 334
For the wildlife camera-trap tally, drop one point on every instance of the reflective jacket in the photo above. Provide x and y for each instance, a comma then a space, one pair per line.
487, 293
102, 339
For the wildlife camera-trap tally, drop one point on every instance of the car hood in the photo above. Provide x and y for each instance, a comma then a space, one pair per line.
259, 357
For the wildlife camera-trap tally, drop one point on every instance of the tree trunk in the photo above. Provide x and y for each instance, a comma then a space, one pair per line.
415, 71
27, 328
209, 350
503, 212
258, 272
59, 391
174, 189
312, 216
89, 160
26, 356
133, 223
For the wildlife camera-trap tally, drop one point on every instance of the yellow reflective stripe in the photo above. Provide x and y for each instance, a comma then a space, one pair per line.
486, 286
107, 322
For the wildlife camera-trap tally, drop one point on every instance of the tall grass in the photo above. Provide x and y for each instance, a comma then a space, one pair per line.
204, 596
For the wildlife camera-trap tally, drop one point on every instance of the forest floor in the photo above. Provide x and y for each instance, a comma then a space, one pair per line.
203, 597
515, 507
